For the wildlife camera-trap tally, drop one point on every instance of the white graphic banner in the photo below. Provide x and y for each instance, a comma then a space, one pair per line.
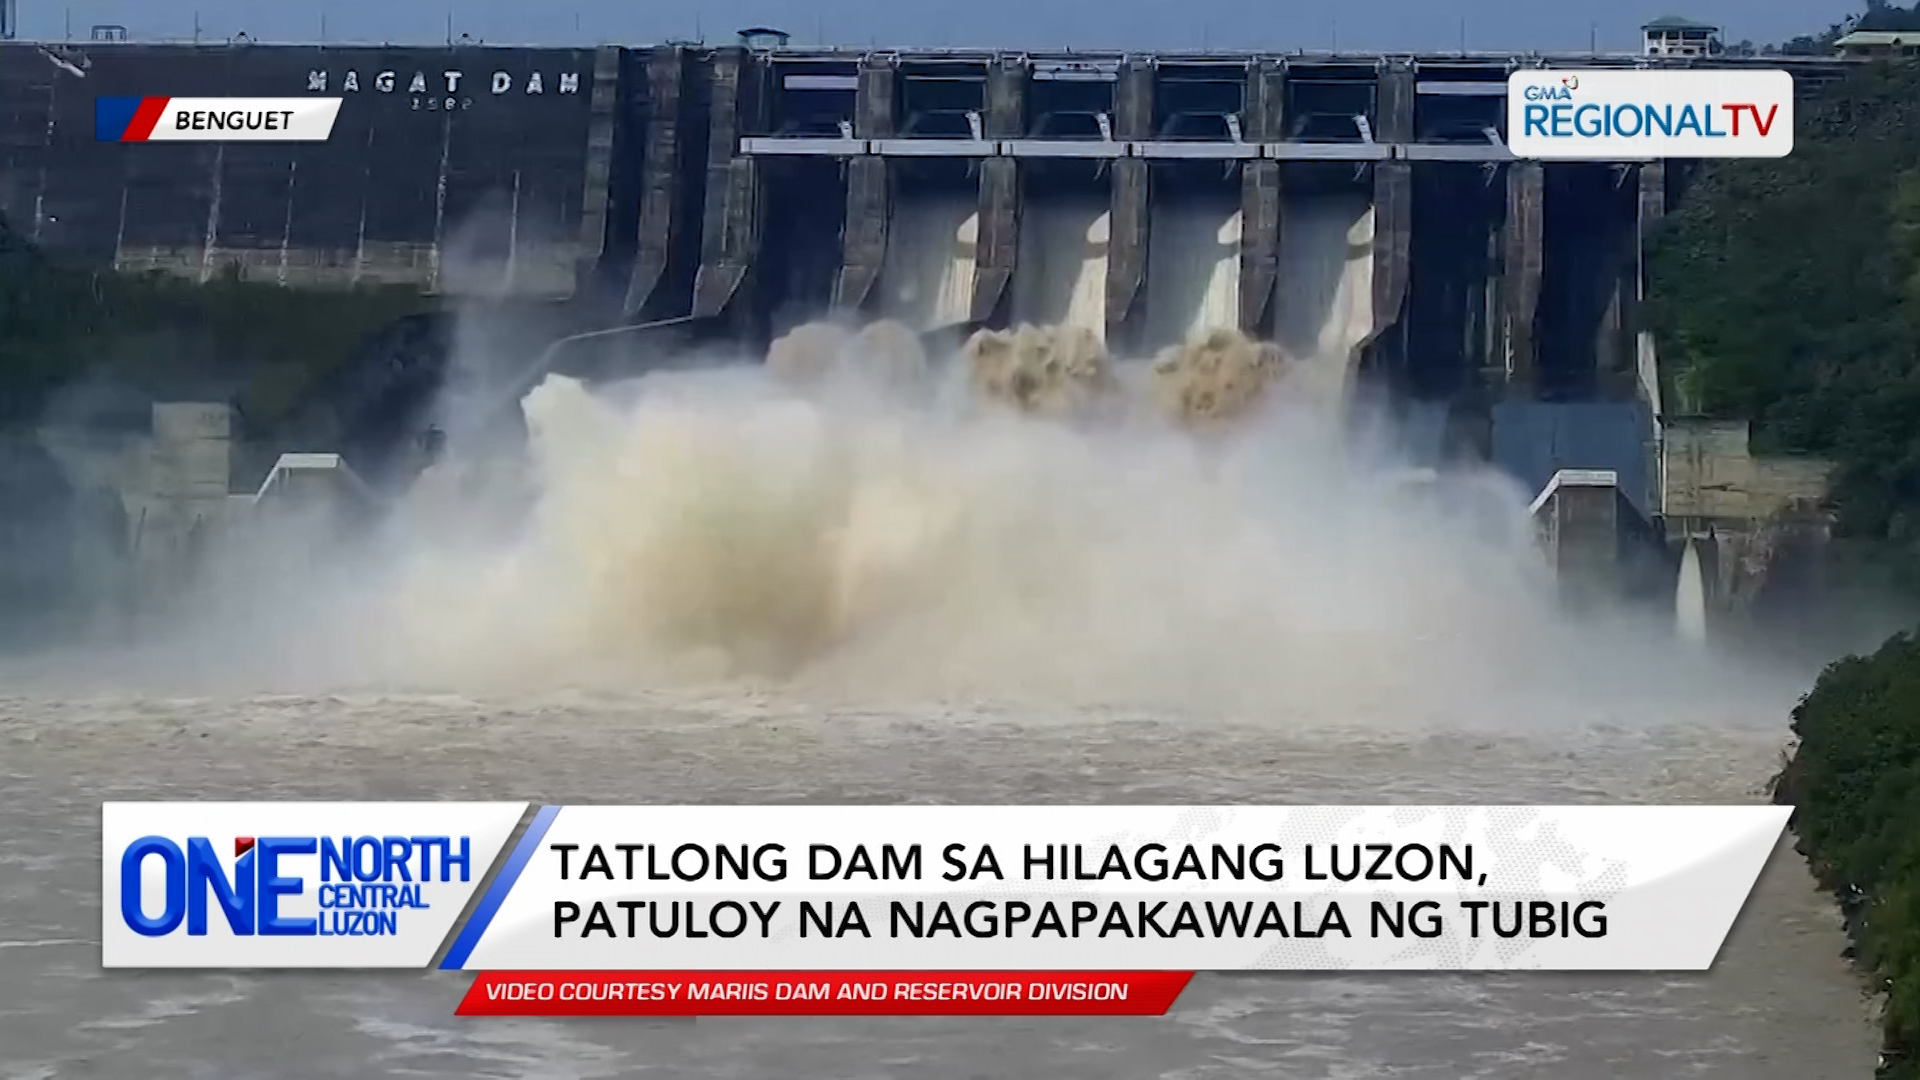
1211, 888
245, 120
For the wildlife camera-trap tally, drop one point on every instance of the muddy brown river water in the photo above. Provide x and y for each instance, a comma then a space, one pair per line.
1779, 1004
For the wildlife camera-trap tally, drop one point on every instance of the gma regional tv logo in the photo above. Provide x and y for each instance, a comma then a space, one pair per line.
291, 884
172, 119
1632, 115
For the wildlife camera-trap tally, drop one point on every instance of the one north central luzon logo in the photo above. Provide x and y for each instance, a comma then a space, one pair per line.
1556, 111
365, 886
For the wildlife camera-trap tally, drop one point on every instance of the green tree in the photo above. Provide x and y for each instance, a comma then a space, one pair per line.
1854, 781
1787, 292
261, 345
1881, 15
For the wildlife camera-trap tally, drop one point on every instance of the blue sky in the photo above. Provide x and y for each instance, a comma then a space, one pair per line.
1545, 25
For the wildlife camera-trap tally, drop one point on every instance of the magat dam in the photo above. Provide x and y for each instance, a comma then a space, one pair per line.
1357, 202
726, 594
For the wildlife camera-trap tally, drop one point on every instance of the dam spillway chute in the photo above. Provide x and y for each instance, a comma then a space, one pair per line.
1193, 268
926, 278
1324, 298
474, 405
1061, 273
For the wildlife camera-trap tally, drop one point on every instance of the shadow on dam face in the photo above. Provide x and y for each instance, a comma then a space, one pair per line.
1454, 303
806, 213
1193, 265
1589, 237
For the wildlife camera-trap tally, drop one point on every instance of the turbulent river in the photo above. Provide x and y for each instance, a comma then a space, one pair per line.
1779, 1003
781, 584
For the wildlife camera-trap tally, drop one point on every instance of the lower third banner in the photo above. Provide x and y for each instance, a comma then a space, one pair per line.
823, 993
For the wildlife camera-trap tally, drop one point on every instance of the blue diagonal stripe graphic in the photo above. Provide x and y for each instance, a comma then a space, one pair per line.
470, 934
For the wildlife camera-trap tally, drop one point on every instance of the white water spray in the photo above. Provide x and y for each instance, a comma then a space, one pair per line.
1690, 597
835, 535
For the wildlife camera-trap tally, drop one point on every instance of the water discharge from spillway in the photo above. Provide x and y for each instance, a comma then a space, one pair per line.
1061, 275
926, 278
1324, 299
1024, 517
720, 526
1690, 597
1193, 268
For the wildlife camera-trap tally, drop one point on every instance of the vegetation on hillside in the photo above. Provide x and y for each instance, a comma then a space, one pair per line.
1787, 292
65, 328
1855, 783
1881, 15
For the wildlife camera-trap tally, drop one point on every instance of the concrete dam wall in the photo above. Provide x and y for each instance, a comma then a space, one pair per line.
449, 170
1362, 211
1361, 206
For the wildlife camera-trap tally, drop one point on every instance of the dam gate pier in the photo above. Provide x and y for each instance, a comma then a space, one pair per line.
1364, 205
